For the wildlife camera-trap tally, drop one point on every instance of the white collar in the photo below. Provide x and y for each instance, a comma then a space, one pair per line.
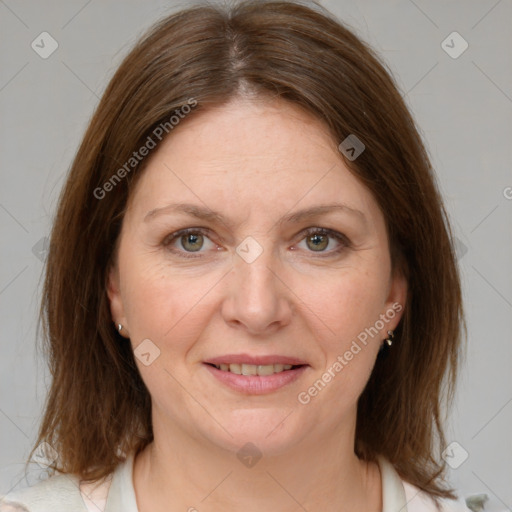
393, 492
122, 494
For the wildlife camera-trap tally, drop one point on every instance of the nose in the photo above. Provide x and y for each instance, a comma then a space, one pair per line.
258, 299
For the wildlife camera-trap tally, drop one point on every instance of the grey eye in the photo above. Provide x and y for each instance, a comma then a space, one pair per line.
318, 242
192, 242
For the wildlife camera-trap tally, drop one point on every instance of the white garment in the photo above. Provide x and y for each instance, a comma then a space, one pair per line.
63, 493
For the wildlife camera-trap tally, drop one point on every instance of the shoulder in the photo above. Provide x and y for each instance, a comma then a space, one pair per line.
58, 493
420, 501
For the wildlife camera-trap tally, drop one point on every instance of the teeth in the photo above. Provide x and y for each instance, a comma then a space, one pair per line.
253, 369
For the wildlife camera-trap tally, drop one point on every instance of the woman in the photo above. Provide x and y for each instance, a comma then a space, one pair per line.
251, 296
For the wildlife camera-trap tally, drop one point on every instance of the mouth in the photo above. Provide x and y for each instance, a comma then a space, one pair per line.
255, 379
262, 370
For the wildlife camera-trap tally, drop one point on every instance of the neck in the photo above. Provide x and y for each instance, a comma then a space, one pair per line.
180, 473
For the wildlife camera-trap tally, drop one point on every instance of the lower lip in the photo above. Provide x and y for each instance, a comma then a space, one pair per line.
256, 384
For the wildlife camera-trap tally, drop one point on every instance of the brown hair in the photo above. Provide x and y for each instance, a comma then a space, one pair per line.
98, 408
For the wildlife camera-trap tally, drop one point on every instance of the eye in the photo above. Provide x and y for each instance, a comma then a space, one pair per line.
190, 239
317, 239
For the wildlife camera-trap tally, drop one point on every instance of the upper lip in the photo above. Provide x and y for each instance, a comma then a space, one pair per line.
256, 360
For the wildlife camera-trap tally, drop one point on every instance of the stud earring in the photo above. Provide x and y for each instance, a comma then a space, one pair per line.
389, 340
119, 327
386, 344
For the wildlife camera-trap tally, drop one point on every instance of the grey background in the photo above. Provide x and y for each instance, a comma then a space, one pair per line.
463, 107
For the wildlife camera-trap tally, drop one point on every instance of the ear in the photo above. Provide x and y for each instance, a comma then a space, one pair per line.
116, 302
397, 297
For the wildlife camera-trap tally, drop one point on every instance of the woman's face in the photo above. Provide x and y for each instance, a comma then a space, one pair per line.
248, 281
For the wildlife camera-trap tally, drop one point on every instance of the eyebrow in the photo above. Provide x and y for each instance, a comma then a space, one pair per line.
292, 218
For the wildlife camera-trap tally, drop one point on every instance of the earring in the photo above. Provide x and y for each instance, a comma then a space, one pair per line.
386, 344
119, 327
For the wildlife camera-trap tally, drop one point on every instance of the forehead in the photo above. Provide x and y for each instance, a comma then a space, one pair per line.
249, 155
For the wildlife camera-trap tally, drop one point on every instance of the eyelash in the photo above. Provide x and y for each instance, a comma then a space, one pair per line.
345, 243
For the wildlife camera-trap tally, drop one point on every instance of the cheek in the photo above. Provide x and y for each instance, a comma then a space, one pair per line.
347, 304
345, 317
162, 304
171, 311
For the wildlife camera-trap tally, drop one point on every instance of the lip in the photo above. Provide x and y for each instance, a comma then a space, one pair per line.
256, 384
257, 360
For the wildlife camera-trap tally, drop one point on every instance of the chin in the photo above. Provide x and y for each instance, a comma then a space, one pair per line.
266, 430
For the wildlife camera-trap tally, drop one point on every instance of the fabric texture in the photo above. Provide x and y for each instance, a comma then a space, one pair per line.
65, 493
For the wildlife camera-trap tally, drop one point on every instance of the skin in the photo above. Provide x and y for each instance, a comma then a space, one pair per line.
253, 161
